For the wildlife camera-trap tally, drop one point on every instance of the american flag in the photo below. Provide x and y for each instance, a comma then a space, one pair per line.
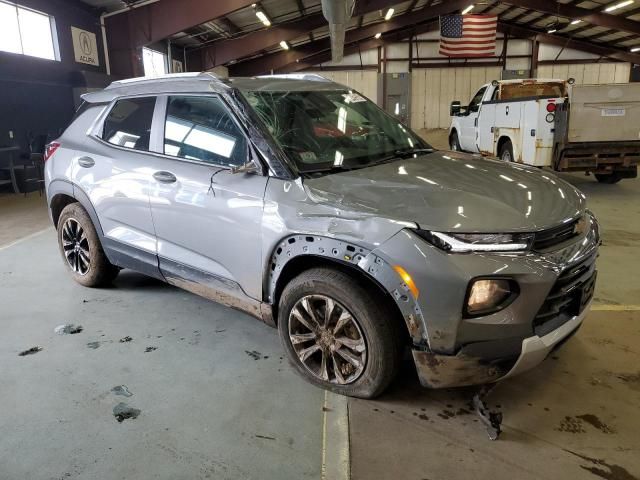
468, 35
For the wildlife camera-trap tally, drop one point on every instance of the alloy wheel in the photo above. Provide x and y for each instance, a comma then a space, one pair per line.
327, 339
76, 246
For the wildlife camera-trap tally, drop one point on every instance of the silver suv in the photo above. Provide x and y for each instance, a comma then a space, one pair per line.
300, 202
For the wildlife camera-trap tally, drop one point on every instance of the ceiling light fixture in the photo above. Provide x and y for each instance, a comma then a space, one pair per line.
575, 22
284, 45
468, 9
377, 35
552, 30
263, 18
635, 49
389, 14
618, 5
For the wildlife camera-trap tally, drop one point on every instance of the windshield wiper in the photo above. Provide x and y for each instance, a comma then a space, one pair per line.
408, 152
402, 154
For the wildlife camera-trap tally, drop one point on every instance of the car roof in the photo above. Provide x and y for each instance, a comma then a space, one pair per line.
208, 82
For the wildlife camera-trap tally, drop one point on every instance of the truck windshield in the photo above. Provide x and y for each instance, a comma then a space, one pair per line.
512, 91
325, 131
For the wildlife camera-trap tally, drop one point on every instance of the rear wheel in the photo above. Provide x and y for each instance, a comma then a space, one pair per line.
338, 335
454, 142
506, 151
609, 178
81, 249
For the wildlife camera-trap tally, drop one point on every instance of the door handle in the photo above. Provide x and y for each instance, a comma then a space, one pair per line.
165, 177
86, 162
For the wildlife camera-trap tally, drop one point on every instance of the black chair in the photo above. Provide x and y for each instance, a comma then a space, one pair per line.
33, 165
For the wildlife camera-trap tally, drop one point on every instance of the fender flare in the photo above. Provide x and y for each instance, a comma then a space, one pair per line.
63, 187
368, 262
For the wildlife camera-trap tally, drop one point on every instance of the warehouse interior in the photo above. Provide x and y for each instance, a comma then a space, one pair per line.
157, 382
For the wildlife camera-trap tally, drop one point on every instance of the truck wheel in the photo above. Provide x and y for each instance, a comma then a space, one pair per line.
81, 249
609, 178
338, 335
454, 143
506, 151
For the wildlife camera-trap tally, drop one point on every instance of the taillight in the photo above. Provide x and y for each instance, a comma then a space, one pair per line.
551, 107
50, 149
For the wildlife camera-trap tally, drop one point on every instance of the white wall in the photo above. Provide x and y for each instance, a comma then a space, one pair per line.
433, 90
588, 73
364, 81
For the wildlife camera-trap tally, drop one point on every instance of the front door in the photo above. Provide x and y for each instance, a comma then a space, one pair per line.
468, 123
207, 219
112, 169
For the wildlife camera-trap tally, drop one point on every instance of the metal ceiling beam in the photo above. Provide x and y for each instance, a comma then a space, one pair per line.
370, 43
572, 12
567, 42
128, 31
222, 52
156, 21
278, 60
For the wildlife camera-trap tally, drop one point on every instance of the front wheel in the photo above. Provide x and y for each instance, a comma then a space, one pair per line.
608, 178
81, 249
338, 335
454, 142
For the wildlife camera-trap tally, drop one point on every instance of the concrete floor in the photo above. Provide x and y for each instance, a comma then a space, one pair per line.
209, 410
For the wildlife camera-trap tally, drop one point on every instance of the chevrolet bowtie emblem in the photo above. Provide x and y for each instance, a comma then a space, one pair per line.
580, 227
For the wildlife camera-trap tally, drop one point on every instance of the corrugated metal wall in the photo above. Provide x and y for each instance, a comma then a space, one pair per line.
364, 81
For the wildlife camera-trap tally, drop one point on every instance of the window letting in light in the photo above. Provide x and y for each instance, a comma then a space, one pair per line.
155, 63
27, 32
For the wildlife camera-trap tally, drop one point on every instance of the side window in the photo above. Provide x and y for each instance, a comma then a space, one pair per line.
474, 105
129, 123
201, 128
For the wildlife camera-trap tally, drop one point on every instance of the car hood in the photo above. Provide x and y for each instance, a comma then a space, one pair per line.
450, 191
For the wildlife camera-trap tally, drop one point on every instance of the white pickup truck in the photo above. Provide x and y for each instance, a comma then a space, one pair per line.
553, 123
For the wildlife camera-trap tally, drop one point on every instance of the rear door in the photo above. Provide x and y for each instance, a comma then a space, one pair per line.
113, 170
207, 219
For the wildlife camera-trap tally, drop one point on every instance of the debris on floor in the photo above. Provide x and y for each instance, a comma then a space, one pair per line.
491, 420
254, 354
265, 437
68, 329
93, 345
31, 351
121, 390
126, 339
150, 349
123, 412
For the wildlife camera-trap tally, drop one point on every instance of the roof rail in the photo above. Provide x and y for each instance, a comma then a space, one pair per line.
313, 77
167, 77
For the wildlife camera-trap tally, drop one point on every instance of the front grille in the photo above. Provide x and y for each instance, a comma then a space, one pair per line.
569, 295
555, 236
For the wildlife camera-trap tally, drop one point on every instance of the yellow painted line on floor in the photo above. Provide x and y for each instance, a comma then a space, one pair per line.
336, 461
20, 240
615, 308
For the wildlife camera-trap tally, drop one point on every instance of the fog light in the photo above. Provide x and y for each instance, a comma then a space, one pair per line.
490, 295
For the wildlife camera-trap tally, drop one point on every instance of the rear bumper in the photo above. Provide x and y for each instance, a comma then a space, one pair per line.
599, 157
443, 371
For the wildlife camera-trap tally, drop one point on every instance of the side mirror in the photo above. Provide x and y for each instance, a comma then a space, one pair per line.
454, 111
250, 167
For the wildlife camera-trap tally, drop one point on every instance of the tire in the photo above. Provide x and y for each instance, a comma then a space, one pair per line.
506, 151
81, 250
454, 142
608, 178
367, 323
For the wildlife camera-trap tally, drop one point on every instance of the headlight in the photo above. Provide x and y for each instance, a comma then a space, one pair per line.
478, 242
489, 295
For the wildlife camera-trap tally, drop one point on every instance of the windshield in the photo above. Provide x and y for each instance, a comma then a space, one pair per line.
332, 130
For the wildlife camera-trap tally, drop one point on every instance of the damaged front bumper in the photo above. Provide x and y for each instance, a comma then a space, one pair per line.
443, 371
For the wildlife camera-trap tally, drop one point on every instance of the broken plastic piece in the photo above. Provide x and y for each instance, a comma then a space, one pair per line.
491, 420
